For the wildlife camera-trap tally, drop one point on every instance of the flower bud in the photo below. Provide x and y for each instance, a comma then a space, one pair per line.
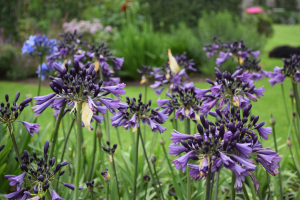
291, 94
153, 160
146, 178
288, 142
162, 142
272, 121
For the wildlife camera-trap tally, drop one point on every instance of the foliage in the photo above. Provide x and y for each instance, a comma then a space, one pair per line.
139, 45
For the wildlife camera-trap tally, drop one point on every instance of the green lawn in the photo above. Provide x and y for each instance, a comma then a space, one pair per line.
271, 103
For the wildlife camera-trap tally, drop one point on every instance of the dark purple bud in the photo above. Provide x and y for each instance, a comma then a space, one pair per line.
100, 83
2, 147
24, 168
34, 154
77, 88
209, 81
85, 92
213, 130
200, 129
62, 172
16, 158
255, 119
218, 73
72, 187
254, 137
115, 146
17, 96
53, 162
219, 113
225, 144
41, 178
26, 101
64, 163
58, 166
235, 135
221, 131
76, 65
184, 144
6, 97
153, 160
204, 121
16, 115
259, 125
46, 147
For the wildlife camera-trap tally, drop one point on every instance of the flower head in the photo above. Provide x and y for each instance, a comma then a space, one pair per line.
253, 68
173, 73
291, 68
229, 89
106, 175
9, 113
80, 86
39, 46
146, 72
229, 142
37, 178
135, 112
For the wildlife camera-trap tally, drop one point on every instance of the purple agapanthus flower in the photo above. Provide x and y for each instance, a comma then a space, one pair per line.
237, 50
39, 46
182, 102
137, 112
229, 142
229, 89
37, 178
9, 113
173, 73
253, 68
291, 68
79, 85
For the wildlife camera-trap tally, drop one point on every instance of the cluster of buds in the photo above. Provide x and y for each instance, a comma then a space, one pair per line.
252, 67
80, 86
110, 151
67, 48
38, 174
146, 178
90, 185
183, 101
229, 89
291, 68
230, 142
137, 112
9, 113
237, 50
173, 73
147, 72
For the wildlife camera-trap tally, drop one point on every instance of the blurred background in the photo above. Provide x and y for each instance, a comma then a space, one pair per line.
141, 31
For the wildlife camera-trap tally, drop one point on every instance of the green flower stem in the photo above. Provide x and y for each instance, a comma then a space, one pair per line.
162, 194
145, 101
294, 161
14, 142
207, 192
92, 195
189, 187
296, 94
286, 110
106, 121
119, 139
145, 195
149, 166
55, 133
296, 130
245, 192
40, 78
211, 186
49, 195
280, 180
78, 149
232, 186
217, 186
107, 191
94, 153
115, 171
136, 165
269, 189
65, 146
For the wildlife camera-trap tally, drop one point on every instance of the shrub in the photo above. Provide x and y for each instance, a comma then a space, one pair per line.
139, 45
228, 28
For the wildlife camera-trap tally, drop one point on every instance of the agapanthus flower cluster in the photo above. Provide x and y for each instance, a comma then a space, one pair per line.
101, 57
253, 68
47, 70
291, 68
67, 48
173, 73
39, 46
226, 50
229, 89
135, 112
38, 177
76, 85
147, 72
183, 102
9, 113
229, 142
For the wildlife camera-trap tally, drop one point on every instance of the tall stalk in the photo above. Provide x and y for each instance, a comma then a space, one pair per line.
232, 186
149, 166
14, 142
298, 173
40, 78
162, 194
217, 186
115, 171
296, 94
119, 139
145, 101
107, 191
189, 187
136, 165
94, 152
286, 110
145, 195
78, 153
245, 192
55, 133
280, 180
207, 191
